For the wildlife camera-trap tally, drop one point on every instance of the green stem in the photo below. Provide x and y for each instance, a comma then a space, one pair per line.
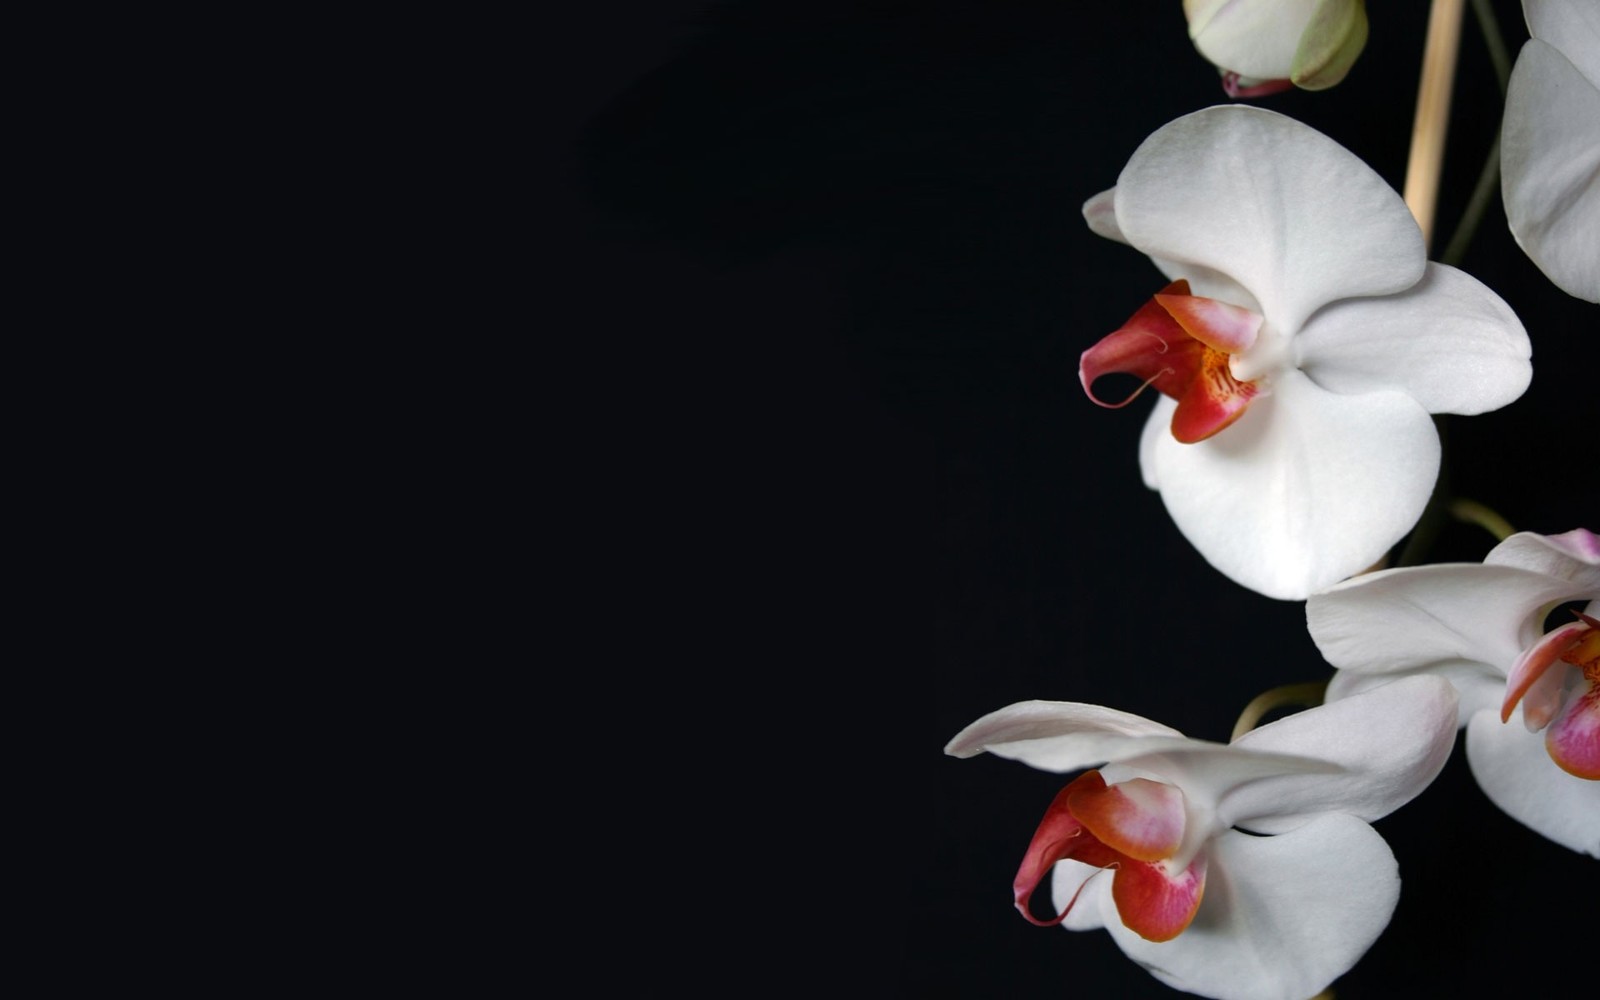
1487, 187
1494, 41
1489, 176
1472, 512
1308, 694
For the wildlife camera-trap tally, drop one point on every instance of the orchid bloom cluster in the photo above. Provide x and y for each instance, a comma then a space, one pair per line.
1300, 343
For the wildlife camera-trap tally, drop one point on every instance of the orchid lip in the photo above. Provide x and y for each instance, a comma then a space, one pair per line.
1531, 674
1185, 346
1132, 829
1572, 738
1576, 643
1140, 818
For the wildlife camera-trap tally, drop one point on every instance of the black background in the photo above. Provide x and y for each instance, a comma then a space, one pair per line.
848, 496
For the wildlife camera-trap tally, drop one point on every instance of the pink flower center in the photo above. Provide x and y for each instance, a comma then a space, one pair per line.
1569, 716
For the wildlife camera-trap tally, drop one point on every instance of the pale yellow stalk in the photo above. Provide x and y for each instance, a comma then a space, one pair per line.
1433, 112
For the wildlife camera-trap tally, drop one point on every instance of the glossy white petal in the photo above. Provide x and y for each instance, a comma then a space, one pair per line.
1282, 917
1516, 773
1273, 204
1157, 428
1572, 555
1100, 212
1403, 619
1390, 742
1027, 721
1251, 37
1101, 215
1550, 160
1307, 488
1572, 27
1449, 342
1068, 736
1479, 687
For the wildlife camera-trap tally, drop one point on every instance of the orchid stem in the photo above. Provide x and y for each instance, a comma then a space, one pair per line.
1309, 694
1494, 42
1472, 512
1488, 185
1433, 113
1489, 177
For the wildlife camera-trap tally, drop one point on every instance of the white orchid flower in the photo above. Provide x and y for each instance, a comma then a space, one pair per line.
1483, 628
1292, 445
1264, 46
1550, 144
1147, 846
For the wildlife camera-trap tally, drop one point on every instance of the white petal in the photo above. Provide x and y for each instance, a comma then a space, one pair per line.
1101, 215
1282, 916
1063, 736
1572, 555
1255, 38
1573, 28
1156, 428
1069, 736
1094, 905
1273, 204
1417, 616
1479, 687
1391, 743
1448, 341
1516, 773
1034, 720
1307, 488
1550, 167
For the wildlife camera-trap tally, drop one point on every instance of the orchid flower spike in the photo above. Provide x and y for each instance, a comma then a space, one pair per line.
1265, 46
1299, 349
1550, 144
1483, 628
1134, 845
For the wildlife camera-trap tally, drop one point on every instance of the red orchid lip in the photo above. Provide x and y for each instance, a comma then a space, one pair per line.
1129, 828
1180, 344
